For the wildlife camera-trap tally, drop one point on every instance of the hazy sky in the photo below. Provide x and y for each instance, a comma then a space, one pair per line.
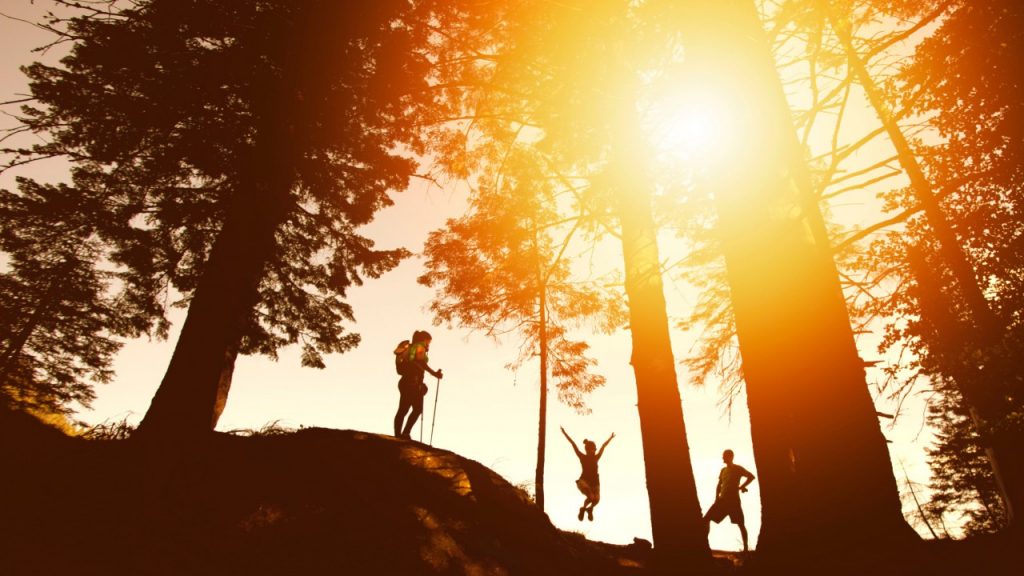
484, 412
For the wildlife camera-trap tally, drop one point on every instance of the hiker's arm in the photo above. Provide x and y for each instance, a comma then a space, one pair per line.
603, 446
435, 373
749, 479
569, 438
421, 360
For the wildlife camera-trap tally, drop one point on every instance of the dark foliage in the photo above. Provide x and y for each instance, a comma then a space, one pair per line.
228, 153
962, 483
59, 311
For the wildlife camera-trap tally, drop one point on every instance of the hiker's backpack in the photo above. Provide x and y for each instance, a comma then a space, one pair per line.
402, 357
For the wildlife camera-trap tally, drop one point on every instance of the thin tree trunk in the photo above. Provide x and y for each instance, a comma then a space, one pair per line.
542, 424
817, 442
17, 343
917, 503
949, 245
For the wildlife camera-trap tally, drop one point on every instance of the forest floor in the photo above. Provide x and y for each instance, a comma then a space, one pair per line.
319, 501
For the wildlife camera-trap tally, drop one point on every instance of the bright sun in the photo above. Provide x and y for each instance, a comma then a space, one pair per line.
690, 126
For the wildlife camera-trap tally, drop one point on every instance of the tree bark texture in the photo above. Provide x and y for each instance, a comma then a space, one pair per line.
194, 389
677, 528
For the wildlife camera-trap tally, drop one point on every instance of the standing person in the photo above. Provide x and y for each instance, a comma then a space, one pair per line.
589, 482
727, 496
413, 362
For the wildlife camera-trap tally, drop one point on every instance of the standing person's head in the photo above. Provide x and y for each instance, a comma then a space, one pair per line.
589, 446
421, 336
727, 456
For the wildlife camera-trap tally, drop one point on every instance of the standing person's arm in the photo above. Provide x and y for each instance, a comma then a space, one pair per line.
605, 445
748, 477
421, 360
569, 438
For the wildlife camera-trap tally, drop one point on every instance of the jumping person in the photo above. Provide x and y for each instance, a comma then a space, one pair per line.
727, 495
589, 482
410, 385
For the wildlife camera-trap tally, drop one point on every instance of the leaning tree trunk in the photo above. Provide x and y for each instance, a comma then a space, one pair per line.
194, 390
981, 388
823, 464
677, 528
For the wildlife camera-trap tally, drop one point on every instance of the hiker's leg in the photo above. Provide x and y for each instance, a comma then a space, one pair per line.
743, 533
403, 406
417, 409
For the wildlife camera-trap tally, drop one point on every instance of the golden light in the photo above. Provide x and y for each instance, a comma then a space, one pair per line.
695, 125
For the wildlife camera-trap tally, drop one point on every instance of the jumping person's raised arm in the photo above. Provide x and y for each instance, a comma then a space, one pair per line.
603, 446
569, 438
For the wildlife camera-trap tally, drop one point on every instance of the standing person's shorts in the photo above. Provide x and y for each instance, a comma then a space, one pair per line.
591, 491
727, 507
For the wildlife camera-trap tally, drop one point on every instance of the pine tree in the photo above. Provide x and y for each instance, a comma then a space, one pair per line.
235, 148
59, 313
962, 482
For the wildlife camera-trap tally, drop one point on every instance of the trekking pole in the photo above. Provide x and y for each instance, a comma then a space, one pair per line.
433, 419
421, 429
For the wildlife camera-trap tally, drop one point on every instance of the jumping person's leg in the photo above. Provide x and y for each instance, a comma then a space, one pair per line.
584, 489
592, 499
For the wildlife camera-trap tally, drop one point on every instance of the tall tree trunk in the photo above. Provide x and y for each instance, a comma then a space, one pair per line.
977, 389
194, 389
542, 422
678, 530
817, 442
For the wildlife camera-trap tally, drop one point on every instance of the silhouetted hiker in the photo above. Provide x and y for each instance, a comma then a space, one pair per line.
589, 482
727, 496
412, 363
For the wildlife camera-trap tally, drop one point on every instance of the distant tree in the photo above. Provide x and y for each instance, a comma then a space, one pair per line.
236, 148
59, 313
505, 268
962, 482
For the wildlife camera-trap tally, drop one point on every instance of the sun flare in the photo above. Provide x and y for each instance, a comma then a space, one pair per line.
691, 126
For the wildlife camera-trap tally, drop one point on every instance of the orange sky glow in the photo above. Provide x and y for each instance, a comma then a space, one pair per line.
485, 411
